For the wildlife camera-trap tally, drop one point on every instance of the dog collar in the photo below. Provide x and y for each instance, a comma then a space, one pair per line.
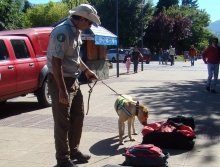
137, 108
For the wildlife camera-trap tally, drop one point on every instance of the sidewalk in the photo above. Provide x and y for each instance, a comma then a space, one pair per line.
26, 138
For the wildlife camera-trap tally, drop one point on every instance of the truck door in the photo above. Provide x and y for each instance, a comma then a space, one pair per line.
26, 65
7, 72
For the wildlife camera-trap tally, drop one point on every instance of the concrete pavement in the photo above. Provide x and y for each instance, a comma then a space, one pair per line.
27, 130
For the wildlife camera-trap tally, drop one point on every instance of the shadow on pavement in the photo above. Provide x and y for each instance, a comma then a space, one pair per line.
184, 98
107, 146
16, 108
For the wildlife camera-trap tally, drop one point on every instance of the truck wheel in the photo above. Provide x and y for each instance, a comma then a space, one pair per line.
113, 60
43, 95
147, 62
2, 103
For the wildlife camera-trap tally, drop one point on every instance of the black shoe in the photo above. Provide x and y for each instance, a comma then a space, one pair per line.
208, 88
66, 164
213, 91
80, 157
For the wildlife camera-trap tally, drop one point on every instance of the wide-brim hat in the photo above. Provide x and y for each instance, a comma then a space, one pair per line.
86, 11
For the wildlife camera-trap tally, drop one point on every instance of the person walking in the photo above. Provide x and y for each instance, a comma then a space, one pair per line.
171, 54
192, 54
166, 56
128, 64
211, 57
135, 56
64, 63
161, 56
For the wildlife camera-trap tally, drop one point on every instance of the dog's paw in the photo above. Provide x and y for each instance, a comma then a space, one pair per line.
121, 143
132, 139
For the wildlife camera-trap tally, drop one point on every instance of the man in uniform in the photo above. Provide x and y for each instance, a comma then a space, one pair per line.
64, 62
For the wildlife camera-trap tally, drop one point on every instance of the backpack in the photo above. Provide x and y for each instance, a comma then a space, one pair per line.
145, 155
169, 135
186, 120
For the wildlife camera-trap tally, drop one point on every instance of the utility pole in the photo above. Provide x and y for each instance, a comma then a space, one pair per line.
117, 50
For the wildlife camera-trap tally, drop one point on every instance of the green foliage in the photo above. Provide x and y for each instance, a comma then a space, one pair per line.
199, 19
129, 18
190, 3
165, 4
26, 6
11, 16
46, 15
73, 3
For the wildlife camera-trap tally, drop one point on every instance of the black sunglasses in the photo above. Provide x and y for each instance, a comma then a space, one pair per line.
89, 22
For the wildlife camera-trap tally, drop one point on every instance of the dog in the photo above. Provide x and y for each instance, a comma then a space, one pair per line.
133, 108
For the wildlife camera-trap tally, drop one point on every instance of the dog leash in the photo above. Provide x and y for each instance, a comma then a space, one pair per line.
137, 104
112, 89
90, 91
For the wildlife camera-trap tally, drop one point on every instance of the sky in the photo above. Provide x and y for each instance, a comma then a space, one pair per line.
212, 7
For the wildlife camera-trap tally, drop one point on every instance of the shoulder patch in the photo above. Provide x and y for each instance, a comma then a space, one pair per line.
61, 37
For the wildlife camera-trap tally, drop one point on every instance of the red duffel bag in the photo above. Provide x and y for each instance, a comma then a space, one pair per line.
169, 135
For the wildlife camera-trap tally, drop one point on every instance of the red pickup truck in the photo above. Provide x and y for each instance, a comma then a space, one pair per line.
23, 67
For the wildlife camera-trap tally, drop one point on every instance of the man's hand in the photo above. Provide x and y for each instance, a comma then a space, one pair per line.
63, 97
91, 75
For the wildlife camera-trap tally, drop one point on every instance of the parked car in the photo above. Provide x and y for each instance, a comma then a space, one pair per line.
112, 54
145, 52
23, 67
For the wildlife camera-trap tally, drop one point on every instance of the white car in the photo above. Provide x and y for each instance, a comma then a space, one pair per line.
112, 55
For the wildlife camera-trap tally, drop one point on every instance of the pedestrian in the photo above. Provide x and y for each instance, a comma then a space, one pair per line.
161, 56
63, 63
166, 56
128, 64
135, 56
171, 54
192, 54
211, 57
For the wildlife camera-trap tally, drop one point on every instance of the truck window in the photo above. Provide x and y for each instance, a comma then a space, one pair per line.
20, 49
3, 53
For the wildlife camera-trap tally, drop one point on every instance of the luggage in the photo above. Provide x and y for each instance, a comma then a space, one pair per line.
145, 155
169, 135
186, 120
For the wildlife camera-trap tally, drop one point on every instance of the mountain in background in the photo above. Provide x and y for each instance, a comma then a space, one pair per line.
215, 28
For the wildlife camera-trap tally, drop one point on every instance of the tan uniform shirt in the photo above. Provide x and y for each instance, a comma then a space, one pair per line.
65, 43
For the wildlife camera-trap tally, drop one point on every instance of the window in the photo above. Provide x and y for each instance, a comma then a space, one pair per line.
112, 51
3, 53
20, 49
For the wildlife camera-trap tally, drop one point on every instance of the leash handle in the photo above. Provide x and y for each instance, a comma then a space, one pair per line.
90, 91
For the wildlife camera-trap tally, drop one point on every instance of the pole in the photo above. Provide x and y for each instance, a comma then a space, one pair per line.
142, 66
117, 56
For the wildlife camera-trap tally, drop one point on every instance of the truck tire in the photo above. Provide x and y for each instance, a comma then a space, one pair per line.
113, 60
43, 95
2, 103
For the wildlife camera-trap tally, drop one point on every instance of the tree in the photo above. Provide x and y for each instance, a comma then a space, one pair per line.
11, 16
199, 20
190, 3
46, 14
27, 5
74, 3
167, 30
129, 18
165, 4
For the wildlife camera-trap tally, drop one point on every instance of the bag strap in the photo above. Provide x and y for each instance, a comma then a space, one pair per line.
171, 123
